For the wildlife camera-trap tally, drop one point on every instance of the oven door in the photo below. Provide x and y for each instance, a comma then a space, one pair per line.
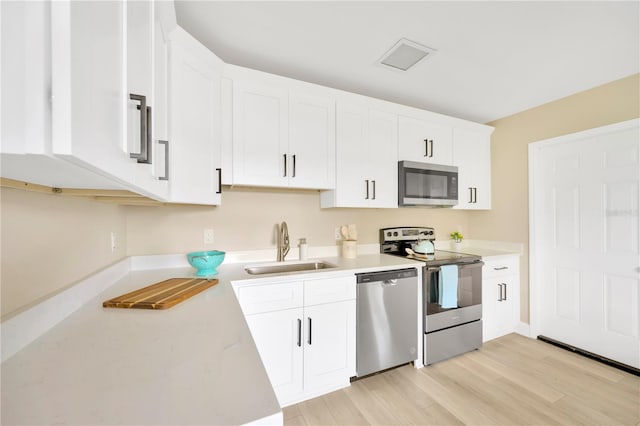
469, 297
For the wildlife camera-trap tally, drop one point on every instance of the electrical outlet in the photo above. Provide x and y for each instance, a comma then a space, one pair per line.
113, 242
338, 234
208, 236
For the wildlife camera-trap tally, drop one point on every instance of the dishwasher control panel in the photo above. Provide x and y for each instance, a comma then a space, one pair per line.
369, 277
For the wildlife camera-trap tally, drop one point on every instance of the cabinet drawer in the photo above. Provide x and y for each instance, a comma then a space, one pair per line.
501, 267
329, 290
270, 297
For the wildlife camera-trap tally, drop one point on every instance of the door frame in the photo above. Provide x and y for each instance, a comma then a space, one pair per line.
534, 159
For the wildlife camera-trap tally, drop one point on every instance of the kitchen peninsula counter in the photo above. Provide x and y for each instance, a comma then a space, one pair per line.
195, 363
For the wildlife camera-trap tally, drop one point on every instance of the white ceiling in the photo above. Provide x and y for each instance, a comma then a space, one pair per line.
494, 59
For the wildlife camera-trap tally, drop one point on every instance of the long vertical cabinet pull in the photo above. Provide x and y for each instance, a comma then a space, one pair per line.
309, 341
505, 291
426, 147
431, 143
219, 170
373, 182
473, 195
166, 160
285, 165
294, 166
142, 155
499, 292
366, 182
299, 332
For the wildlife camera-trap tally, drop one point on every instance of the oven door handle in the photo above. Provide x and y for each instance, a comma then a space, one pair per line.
433, 269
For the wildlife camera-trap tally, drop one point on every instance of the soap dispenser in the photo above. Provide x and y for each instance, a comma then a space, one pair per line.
303, 248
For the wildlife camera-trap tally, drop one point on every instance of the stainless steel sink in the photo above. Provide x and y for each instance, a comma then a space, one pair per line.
274, 268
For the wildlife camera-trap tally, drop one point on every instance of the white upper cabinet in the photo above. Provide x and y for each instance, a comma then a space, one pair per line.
312, 133
76, 67
472, 155
260, 134
194, 147
366, 158
90, 68
424, 141
283, 135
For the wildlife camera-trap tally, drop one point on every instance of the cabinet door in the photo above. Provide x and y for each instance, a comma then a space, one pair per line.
422, 141
382, 165
260, 135
160, 122
278, 337
312, 134
89, 100
194, 146
329, 354
352, 154
139, 60
499, 306
472, 155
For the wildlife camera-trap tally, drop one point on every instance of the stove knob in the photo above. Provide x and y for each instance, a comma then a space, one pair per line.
388, 233
395, 234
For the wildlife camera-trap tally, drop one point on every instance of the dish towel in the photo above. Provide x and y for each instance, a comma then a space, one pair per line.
448, 286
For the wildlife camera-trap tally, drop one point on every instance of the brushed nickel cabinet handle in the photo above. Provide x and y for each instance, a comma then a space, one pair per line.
374, 189
309, 341
299, 332
367, 185
142, 107
166, 160
426, 147
219, 191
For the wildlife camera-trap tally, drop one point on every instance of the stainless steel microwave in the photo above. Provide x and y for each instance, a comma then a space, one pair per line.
431, 185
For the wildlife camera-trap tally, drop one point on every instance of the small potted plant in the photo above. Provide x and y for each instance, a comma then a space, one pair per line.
457, 240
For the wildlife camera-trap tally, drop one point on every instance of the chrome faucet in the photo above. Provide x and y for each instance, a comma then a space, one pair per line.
283, 241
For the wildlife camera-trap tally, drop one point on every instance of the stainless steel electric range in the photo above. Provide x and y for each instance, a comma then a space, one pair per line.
451, 291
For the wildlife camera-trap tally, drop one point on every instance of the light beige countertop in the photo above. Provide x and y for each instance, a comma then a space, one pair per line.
195, 363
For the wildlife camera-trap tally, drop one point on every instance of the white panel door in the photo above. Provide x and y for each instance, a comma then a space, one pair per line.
585, 257
194, 110
472, 155
260, 135
312, 141
329, 354
351, 156
278, 337
382, 164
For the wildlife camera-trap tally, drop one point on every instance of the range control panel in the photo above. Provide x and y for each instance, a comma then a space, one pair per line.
407, 234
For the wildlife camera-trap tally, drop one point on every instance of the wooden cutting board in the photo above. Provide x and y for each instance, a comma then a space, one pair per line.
162, 295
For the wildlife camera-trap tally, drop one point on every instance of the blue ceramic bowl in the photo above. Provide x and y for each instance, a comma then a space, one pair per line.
205, 262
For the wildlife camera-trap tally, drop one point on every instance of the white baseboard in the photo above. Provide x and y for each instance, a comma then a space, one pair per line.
25, 327
524, 329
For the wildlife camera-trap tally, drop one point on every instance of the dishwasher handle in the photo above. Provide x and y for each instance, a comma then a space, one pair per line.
389, 283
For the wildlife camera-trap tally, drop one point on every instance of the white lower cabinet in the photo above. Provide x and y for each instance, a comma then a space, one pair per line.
500, 297
304, 332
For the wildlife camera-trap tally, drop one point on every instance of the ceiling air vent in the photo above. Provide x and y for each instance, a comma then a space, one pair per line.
405, 54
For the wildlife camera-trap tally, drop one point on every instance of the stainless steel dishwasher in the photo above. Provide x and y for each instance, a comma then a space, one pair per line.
387, 320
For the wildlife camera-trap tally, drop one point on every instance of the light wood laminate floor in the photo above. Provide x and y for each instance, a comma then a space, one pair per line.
512, 380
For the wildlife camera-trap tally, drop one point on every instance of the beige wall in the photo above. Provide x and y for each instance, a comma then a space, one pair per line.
509, 218
50, 241
247, 218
